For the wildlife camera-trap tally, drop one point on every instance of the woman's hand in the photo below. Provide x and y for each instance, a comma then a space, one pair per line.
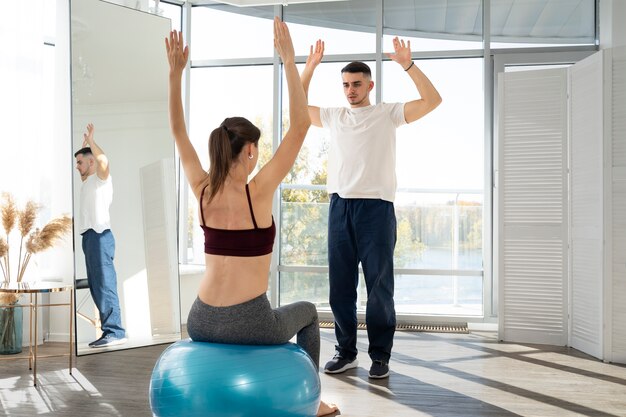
282, 42
177, 53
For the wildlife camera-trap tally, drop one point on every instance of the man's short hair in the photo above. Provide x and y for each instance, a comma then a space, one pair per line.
356, 67
83, 151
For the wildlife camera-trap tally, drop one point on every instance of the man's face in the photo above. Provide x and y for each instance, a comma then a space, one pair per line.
83, 165
357, 87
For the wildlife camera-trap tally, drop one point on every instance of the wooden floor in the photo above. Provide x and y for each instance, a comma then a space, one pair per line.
432, 374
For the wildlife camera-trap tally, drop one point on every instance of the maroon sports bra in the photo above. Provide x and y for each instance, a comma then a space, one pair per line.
245, 242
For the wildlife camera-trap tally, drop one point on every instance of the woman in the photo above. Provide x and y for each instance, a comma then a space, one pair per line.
236, 216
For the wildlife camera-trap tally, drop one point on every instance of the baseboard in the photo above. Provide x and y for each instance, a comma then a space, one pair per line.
419, 327
58, 337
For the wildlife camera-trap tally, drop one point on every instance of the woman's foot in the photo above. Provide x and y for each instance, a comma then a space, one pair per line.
326, 409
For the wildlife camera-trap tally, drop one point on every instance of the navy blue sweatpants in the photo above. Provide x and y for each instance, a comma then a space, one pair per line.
362, 230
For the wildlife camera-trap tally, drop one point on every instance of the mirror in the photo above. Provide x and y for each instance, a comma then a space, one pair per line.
119, 83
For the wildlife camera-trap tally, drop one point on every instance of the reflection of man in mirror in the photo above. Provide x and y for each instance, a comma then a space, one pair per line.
94, 225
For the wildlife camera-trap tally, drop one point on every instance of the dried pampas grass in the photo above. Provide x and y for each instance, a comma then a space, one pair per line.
4, 250
9, 213
36, 241
27, 218
43, 239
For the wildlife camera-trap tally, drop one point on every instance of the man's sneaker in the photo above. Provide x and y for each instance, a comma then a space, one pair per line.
108, 340
339, 364
379, 369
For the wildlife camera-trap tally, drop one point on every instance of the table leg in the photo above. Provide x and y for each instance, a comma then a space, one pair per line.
30, 332
71, 327
35, 358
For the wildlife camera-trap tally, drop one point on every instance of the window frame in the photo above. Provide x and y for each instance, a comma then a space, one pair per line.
492, 64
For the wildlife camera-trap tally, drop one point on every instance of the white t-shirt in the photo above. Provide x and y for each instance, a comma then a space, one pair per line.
96, 196
362, 154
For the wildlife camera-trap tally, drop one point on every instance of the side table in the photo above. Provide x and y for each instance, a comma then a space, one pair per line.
33, 289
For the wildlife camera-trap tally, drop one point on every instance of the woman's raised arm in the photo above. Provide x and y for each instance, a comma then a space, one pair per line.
270, 176
177, 56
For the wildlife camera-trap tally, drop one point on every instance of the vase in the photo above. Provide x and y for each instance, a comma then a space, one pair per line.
10, 330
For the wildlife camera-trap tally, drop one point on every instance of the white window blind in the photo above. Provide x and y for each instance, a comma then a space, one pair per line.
618, 135
586, 205
531, 214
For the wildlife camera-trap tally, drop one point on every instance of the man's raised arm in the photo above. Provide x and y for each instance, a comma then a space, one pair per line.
430, 97
314, 59
102, 162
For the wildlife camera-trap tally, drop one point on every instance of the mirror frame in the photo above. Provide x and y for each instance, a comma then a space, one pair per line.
156, 177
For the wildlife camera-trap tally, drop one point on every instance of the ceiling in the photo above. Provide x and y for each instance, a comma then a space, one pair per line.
520, 21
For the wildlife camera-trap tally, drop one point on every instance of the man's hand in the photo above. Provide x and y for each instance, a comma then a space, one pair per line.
316, 54
102, 163
88, 137
177, 52
402, 54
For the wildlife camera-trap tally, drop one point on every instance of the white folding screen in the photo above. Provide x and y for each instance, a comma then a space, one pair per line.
616, 351
531, 206
158, 196
586, 205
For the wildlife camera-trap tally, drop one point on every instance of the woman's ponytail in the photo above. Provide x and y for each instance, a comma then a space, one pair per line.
220, 159
225, 144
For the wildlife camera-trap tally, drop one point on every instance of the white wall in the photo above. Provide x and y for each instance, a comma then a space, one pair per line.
190, 278
35, 159
612, 27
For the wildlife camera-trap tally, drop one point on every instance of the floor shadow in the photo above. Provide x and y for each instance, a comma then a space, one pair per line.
436, 401
411, 392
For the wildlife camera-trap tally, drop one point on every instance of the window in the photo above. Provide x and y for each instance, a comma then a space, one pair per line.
304, 198
347, 27
442, 205
172, 12
239, 86
227, 32
444, 149
217, 93
439, 203
304, 201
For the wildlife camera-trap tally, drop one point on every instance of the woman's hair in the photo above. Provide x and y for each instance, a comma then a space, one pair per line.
225, 144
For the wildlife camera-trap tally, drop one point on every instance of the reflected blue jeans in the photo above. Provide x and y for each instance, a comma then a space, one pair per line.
99, 250
362, 230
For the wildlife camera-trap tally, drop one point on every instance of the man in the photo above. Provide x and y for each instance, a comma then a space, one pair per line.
361, 219
98, 242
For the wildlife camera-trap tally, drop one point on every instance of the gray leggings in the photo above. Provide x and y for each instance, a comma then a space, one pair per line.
254, 322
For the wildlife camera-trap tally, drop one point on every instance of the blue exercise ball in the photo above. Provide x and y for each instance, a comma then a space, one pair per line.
214, 379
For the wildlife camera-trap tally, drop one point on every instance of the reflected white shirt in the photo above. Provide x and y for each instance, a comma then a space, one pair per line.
96, 196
